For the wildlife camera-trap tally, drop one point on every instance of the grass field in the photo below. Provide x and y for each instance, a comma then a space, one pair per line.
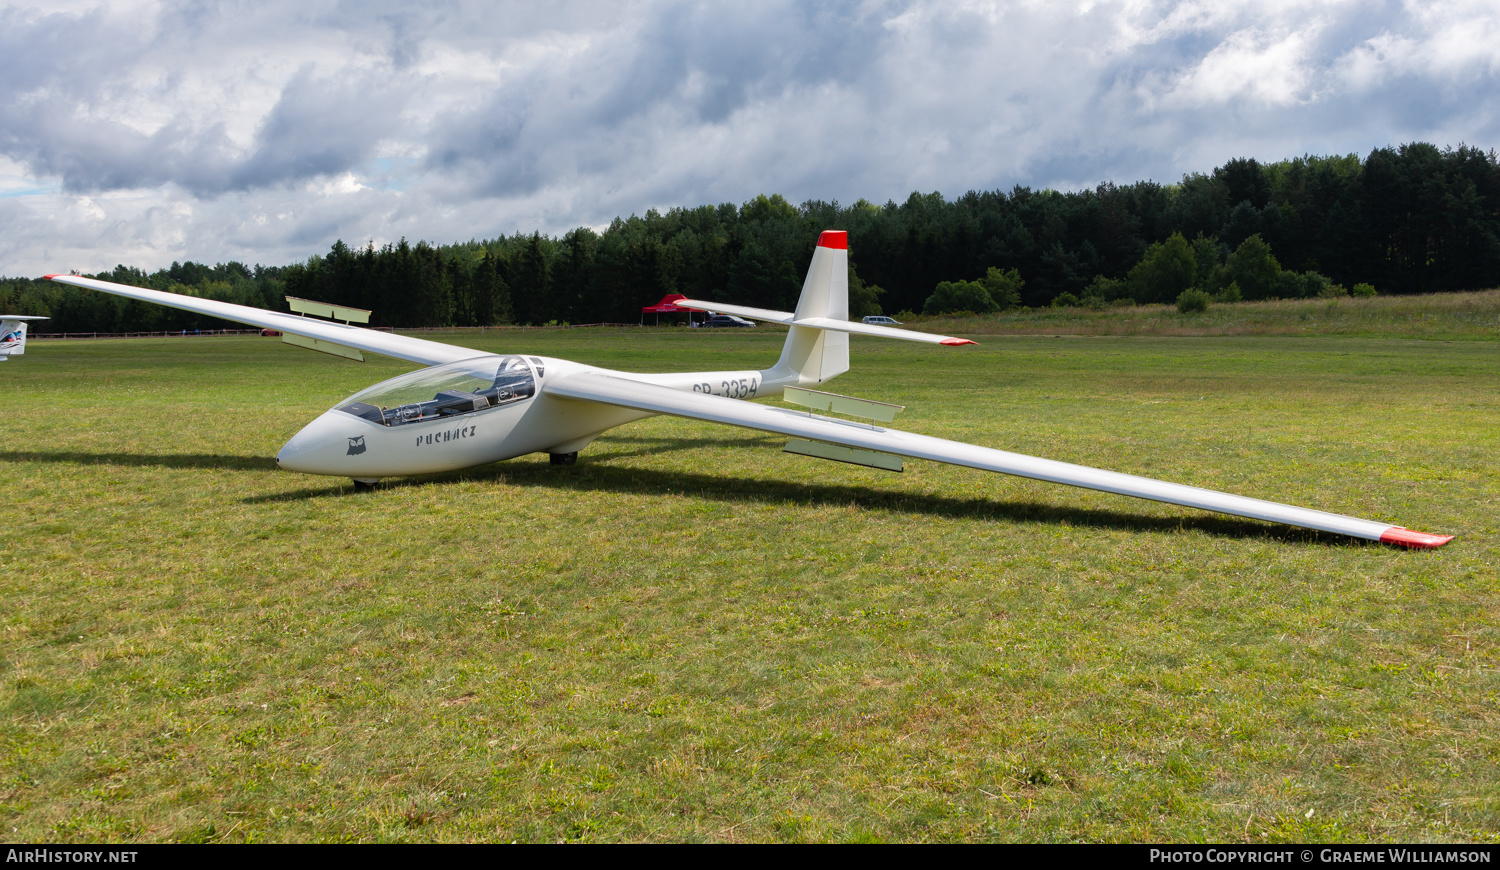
1470, 316
693, 636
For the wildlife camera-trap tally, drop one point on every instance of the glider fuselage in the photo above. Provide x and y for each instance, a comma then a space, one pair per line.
376, 433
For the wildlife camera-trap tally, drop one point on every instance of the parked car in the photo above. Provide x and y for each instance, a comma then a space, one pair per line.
726, 320
877, 320
270, 332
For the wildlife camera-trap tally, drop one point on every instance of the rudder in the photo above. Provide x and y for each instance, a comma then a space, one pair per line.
817, 355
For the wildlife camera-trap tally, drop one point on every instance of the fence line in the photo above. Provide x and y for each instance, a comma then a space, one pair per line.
460, 330
174, 333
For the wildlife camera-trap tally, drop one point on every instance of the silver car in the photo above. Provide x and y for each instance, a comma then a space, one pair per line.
726, 320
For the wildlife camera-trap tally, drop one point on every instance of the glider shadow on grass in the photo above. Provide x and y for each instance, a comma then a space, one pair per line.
143, 460
594, 474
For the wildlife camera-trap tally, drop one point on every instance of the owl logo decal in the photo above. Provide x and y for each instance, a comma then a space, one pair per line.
356, 445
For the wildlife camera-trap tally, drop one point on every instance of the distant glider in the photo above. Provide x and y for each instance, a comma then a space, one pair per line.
13, 334
467, 409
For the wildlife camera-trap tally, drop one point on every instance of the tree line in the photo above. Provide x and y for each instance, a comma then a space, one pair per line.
1409, 219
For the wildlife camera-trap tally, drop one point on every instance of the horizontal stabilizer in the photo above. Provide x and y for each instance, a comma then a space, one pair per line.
765, 314
881, 331
829, 323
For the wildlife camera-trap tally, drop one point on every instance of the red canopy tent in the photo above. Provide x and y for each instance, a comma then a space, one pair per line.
667, 305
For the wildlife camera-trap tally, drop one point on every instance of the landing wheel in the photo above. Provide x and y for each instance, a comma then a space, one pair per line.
564, 458
362, 484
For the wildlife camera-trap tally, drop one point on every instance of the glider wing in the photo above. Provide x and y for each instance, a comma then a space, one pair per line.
417, 350
628, 393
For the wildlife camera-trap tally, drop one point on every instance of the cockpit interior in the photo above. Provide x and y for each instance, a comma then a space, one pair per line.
445, 391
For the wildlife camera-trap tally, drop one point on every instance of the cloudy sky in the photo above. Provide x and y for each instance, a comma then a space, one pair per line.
144, 132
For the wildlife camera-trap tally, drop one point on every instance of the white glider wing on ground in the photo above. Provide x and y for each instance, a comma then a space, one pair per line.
469, 408
623, 392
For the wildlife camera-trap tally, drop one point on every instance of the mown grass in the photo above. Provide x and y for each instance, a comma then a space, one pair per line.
1448, 316
693, 636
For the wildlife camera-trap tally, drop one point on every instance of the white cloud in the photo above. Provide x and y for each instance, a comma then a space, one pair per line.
1250, 65
1445, 50
263, 132
342, 184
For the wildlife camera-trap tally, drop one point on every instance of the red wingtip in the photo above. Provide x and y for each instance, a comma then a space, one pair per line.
838, 239
50, 277
1409, 538
955, 342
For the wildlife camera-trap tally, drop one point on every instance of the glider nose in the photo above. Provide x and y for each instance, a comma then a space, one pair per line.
322, 446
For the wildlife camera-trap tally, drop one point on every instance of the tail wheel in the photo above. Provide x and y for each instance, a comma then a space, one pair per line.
564, 458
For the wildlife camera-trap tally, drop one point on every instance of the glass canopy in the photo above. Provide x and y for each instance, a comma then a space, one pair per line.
444, 391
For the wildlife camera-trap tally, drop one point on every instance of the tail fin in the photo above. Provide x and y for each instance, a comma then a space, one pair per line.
816, 355
817, 345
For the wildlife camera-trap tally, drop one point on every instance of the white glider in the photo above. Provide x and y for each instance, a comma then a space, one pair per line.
468, 409
13, 334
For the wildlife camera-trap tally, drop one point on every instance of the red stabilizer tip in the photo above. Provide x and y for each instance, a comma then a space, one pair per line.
834, 239
1409, 538
50, 277
955, 342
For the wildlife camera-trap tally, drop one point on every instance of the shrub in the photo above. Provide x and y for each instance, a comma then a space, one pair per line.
1230, 293
1332, 291
1004, 287
1289, 285
1254, 268
1315, 285
1065, 300
864, 299
1191, 300
1364, 290
1127, 302
1167, 269
1107, 289
951, 297
1210, 264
